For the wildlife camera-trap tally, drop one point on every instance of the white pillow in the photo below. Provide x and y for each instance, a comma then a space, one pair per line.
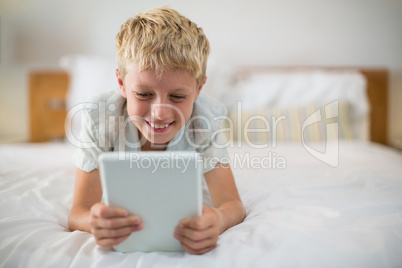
284, 89
89, 76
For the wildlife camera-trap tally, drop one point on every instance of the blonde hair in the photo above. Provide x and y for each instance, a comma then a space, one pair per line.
161, 39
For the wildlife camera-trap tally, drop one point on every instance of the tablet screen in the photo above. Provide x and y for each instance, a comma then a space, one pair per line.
161, 187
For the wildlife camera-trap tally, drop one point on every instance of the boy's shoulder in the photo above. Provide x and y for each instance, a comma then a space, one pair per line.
106, 104
208, 113
107, 96
209, 107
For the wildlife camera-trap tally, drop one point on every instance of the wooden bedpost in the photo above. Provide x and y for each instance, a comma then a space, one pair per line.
377, 90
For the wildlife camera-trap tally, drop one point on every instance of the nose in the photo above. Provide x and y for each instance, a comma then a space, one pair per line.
161, 110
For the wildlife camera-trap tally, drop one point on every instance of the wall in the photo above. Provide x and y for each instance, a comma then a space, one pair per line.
35, 34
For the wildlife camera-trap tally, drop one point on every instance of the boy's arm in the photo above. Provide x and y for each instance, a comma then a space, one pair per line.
224, 196
200, 235
109, 225
87, 192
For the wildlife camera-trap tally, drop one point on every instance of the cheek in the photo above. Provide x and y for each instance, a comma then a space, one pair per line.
136, 108
186, 110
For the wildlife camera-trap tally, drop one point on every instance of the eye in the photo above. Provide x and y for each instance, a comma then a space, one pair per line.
143, 95
178, 97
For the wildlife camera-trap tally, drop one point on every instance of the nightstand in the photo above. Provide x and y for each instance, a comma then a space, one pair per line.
47, 111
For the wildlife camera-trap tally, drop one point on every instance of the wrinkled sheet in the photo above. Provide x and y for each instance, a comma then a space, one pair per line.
300, 211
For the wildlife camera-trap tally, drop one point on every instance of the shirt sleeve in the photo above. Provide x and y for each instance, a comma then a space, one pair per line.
88, 150
216, 152
209, 135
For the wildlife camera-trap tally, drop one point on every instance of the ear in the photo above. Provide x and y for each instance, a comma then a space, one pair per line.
121, 84
199, 89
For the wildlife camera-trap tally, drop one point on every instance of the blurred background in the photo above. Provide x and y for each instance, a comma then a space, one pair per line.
34, 35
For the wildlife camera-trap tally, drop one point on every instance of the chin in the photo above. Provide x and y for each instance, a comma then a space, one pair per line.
159, 141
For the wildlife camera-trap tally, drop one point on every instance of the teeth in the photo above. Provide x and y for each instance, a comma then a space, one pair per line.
158, 125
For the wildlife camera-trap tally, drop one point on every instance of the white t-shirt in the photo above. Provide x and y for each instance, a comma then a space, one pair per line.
106, 127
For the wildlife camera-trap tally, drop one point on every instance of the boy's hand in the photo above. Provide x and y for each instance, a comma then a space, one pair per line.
200, 235
112, 225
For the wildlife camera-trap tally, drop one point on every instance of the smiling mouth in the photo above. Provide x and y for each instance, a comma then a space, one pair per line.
159, 126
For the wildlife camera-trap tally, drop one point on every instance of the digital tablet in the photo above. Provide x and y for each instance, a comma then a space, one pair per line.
160, 187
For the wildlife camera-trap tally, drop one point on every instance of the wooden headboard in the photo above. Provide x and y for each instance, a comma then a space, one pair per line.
377, 91
48, 91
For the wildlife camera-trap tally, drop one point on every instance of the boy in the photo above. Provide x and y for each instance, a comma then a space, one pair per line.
162, 60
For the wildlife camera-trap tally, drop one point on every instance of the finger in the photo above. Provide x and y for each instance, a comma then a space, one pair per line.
205, 209
103, 233
198, 245
103, 211
112, 212
107, 242
112, 223
197, 239
200, 223
197, 251
197, 235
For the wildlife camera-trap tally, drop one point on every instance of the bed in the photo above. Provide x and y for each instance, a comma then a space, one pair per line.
302, 208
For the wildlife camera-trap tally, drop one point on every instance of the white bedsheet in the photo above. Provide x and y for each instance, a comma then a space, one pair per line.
307, 215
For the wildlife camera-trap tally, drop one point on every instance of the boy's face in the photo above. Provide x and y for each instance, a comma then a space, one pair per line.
159, 106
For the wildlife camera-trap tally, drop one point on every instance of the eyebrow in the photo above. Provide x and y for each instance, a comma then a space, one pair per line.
181, 89
145, 87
